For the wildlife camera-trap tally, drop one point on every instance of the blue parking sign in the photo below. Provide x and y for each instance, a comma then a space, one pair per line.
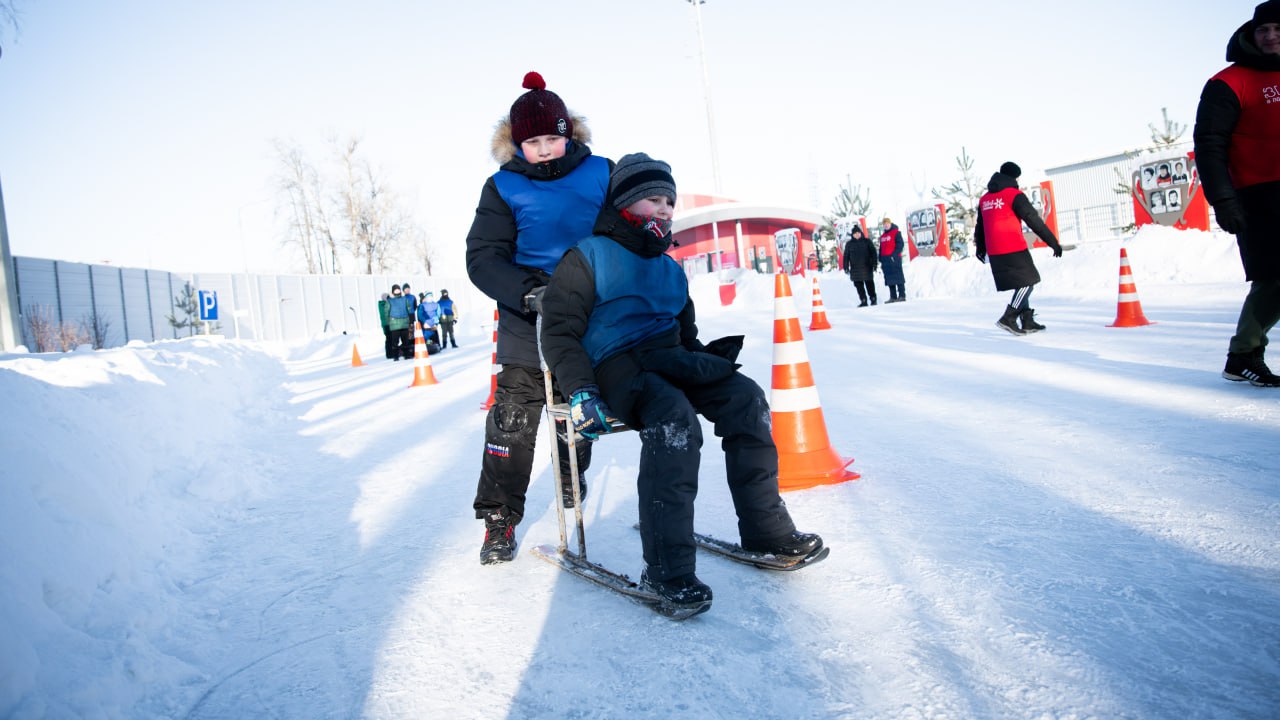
208, 305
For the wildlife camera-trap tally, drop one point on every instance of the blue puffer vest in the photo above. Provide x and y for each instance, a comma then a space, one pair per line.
637, 298
553, 215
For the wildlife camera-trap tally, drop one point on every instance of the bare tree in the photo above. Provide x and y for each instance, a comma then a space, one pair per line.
1168, 134
351, 216
72, 336
10, 16
302, 200
961, 196
95, 327
42, 327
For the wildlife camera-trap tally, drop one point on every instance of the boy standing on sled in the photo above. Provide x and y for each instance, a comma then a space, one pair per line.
619, 335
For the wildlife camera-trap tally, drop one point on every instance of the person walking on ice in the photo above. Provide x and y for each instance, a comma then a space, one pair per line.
1001, 213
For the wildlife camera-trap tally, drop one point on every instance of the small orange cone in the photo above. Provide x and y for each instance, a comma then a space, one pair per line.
355, 356
1128, 309
422, 372
805, 455
819, 320
493, 365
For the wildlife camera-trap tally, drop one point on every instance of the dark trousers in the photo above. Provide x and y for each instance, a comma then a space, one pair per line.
510, 433
865, 289
446, 333
1021, 299
402, 343
898, 292
1260, 312
386, 342
671, 449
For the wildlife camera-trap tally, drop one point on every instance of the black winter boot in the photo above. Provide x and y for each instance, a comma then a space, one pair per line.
499, 537
1029, 324
685, 592
1250, 366
566, 491
796, 544
1009, 321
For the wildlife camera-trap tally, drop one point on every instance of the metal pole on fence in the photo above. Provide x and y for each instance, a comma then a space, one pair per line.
10, 322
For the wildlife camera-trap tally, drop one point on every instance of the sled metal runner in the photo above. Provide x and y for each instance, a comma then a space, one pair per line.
736, 553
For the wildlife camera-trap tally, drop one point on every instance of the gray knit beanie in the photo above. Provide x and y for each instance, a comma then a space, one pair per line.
638, 176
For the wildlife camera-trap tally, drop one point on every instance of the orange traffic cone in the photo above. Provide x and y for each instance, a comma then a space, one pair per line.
355, 356
819, 320
422, 372
493, 365
1128, 309
805, 455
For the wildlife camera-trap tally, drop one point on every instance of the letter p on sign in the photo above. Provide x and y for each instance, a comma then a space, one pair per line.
208, 305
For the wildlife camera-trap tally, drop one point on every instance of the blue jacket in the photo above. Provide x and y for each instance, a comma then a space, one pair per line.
429, 313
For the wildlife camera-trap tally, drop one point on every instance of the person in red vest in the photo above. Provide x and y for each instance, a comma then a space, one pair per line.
1001, 213
1237, 149
891, 245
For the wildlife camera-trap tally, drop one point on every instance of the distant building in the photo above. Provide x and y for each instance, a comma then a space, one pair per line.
714, 233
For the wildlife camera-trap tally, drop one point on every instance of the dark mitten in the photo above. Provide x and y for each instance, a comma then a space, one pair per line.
1230, 215
1057, 249
982, 257
532, 300
726, 347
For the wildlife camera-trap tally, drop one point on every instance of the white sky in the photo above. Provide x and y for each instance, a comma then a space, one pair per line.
139, 132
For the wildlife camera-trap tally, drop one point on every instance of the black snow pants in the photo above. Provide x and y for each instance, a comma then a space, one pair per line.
510, 433
671, 445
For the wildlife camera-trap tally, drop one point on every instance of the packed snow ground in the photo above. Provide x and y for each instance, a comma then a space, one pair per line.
1082, 523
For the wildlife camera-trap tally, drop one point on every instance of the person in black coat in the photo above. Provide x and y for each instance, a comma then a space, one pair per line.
1001, 213
860, 263
543, 199
1237, 146
620, 335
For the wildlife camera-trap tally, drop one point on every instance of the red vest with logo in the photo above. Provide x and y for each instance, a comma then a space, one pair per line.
887, 242
1254, 156
1001, 229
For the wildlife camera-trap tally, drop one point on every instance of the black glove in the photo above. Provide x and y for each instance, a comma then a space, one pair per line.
726, 347
532, 300
1230, 216
982, 257
1057, 250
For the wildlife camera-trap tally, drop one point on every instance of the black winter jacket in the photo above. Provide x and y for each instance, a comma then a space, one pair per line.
861, 258
1014, 270
1216, 118
566, 310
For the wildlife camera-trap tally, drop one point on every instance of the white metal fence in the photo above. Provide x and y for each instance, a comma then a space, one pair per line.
136, 304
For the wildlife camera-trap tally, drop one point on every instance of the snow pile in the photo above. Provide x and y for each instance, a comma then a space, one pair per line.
114, 460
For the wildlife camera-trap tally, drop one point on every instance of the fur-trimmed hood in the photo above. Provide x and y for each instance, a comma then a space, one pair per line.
503, 149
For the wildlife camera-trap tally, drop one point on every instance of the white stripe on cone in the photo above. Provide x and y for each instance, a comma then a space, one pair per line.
795, 400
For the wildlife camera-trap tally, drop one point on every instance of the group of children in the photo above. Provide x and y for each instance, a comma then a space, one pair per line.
569, 235
399, 310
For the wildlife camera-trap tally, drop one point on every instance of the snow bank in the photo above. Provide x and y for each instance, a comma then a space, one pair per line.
112, 472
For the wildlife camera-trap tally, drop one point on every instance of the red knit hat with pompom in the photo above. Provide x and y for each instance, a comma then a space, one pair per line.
539, 112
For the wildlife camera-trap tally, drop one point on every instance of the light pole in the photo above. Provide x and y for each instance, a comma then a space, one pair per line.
706, 89
10, 326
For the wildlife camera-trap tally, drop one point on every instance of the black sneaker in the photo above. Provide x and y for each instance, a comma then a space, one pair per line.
566, 492
684, 592
795, 544
499, 537
1249, 366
